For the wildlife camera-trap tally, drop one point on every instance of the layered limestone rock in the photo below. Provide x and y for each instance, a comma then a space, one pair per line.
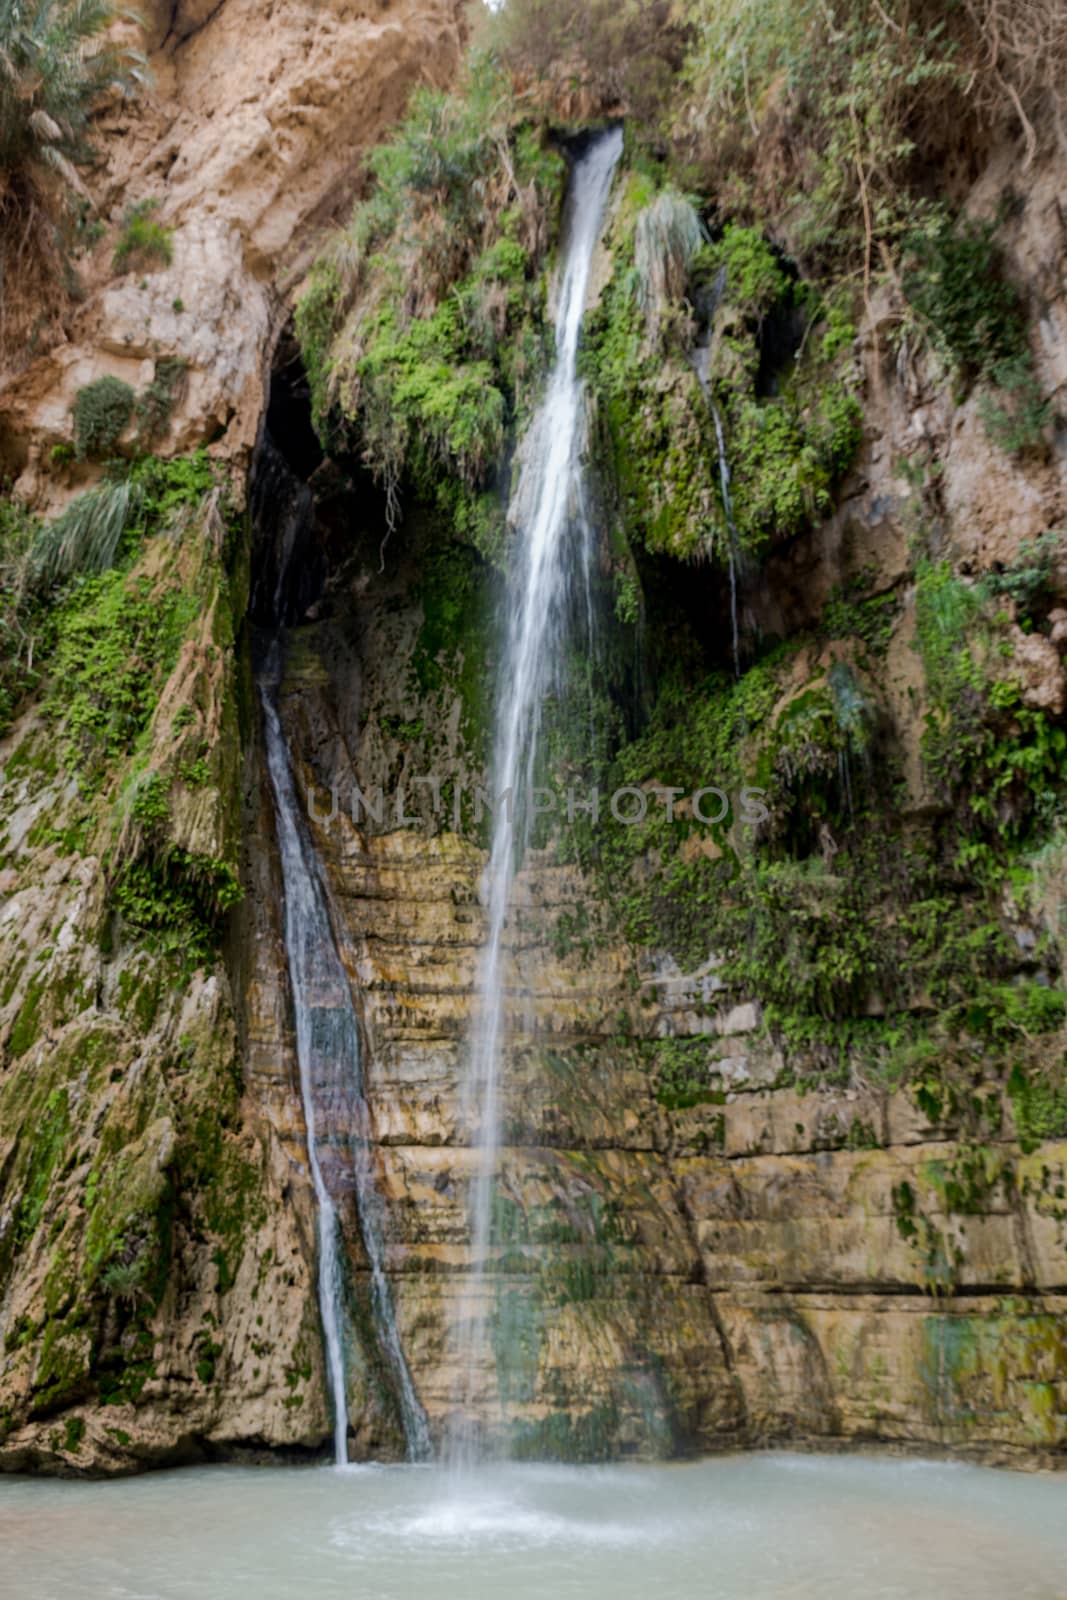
776, 1261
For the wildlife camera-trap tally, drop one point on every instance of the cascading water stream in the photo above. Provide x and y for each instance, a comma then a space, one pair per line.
552, 556
701, 360
336, 1114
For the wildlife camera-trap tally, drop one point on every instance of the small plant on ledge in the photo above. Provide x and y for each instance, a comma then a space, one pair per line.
143, 241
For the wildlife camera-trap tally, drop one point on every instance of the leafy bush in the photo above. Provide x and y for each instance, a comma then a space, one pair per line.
87, 538
958, 285
143, 241
177, 902
998, 759
1015, 412
1028, 581
751, 274
786, 450
101, 412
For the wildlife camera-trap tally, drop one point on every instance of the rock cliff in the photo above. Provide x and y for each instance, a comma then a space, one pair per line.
779, 1163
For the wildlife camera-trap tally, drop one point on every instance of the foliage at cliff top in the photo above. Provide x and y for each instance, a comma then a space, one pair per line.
821, 116
56, 64
421, 324
629, 52
825, 114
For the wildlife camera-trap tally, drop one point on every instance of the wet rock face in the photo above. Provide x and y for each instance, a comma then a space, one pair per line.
764, 1264
156, 1262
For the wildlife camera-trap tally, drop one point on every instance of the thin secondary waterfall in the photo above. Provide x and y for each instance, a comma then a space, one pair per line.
336, 1114
701, 360
728, 513
551, 558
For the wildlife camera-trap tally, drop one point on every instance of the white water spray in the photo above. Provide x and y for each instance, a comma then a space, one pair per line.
551, 558
701, 362
336, 1113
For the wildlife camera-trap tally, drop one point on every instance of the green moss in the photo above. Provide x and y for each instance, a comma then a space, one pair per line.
50, 1138
61, 1377
752, 276
982, 746
27, 1025
569, 1435
422, 325
786, 449
139, 996
452, 648
119, 638
517, 1334
1039, 1103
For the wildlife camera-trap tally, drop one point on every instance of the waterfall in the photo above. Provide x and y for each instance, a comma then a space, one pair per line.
731, 534
336, 1114
551, 557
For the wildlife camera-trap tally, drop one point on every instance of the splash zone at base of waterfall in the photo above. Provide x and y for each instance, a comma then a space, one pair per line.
551, 557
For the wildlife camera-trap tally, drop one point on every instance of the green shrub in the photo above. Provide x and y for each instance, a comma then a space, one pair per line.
786, 451
101, 412
958, 285
143, 241
981, 746
1015, 413
977, 319
1028, 580
1039, 1103
148, 804
177, 901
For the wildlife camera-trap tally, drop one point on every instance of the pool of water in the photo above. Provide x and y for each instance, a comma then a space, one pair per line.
735, 1528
